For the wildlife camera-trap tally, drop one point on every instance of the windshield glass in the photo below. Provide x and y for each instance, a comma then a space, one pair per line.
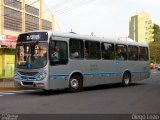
31, 56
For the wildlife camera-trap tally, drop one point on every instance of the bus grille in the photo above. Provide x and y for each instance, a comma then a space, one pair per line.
27, 83
28, 73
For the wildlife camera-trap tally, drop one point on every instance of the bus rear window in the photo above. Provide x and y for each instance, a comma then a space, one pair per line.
34, 36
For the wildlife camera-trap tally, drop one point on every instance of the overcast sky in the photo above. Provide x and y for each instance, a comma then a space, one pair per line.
106, 18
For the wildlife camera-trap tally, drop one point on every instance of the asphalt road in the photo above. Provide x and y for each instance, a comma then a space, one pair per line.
140, 97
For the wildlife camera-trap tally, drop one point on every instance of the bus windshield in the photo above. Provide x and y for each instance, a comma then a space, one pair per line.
31, 56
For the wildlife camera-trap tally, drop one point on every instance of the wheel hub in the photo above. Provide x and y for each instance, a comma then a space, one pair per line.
74, 83
126, 80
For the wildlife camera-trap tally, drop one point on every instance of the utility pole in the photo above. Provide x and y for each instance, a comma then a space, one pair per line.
23, 17
40, 15
2, 17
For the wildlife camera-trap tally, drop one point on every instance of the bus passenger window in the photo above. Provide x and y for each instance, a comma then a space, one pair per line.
108, 51
76, 49
143, 54
121, 52
132, 53
92, 50
85, 53
55, 54
58, 52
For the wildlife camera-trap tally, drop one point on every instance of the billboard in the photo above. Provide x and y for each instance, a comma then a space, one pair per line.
8, 41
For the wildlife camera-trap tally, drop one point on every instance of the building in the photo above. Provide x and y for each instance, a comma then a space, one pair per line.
141, 28
18, 16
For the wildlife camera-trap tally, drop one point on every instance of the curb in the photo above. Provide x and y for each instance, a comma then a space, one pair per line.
15, 88
6, 79
12, 87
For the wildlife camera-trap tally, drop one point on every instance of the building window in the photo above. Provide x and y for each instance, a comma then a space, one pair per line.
92, 50
121, 52
132, 53
108, 51
46, 25
32, 23
12, 19
76, 49
13, 3
32, 10
143, 54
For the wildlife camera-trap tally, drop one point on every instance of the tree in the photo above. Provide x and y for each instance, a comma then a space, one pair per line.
155, 46
156, 32
155, 51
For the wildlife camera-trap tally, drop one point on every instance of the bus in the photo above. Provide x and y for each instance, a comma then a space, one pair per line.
55, 60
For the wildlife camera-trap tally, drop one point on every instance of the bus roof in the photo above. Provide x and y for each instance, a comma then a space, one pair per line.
92, 38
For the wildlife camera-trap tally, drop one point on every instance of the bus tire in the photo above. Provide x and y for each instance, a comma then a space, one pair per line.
75, 84
126, 80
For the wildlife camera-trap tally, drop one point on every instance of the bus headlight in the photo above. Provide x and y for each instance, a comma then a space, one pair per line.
42, 76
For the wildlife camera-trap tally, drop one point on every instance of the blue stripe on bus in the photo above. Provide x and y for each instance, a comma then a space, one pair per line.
140, 72
95, 74
101, 73
59, 76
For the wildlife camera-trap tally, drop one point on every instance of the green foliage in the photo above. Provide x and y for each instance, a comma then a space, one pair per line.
155, 46
155, 51
156, 32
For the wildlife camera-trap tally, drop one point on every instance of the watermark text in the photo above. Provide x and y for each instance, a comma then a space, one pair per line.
145, 117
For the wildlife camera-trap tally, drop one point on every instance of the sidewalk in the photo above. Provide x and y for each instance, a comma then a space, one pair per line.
8, 84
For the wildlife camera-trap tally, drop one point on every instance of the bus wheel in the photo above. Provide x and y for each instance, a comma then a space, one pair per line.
126, 79
75, 84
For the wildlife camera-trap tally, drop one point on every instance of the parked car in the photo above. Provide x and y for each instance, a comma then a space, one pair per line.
158, 67
152, 66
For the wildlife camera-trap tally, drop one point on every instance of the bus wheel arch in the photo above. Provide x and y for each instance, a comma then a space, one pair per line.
126, 79
75, 83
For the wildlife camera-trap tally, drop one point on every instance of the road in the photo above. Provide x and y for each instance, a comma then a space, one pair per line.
140, 97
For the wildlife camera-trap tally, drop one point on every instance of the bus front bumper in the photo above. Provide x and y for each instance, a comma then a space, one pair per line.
31, 84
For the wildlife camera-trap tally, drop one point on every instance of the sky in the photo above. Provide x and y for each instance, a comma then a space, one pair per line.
105, 18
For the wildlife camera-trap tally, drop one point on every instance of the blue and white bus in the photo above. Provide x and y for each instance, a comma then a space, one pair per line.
53, 60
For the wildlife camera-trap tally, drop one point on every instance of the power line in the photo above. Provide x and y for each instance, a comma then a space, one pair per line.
65, 5
61, 4
70, 7
71, 4
61, 11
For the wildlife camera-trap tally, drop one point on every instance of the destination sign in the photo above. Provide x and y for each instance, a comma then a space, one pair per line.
34, 36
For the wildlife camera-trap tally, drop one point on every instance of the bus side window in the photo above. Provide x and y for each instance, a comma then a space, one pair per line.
108, 51
85, 53
121, 52
92, 50
76, 49
58, 52
132, 53
143, 54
